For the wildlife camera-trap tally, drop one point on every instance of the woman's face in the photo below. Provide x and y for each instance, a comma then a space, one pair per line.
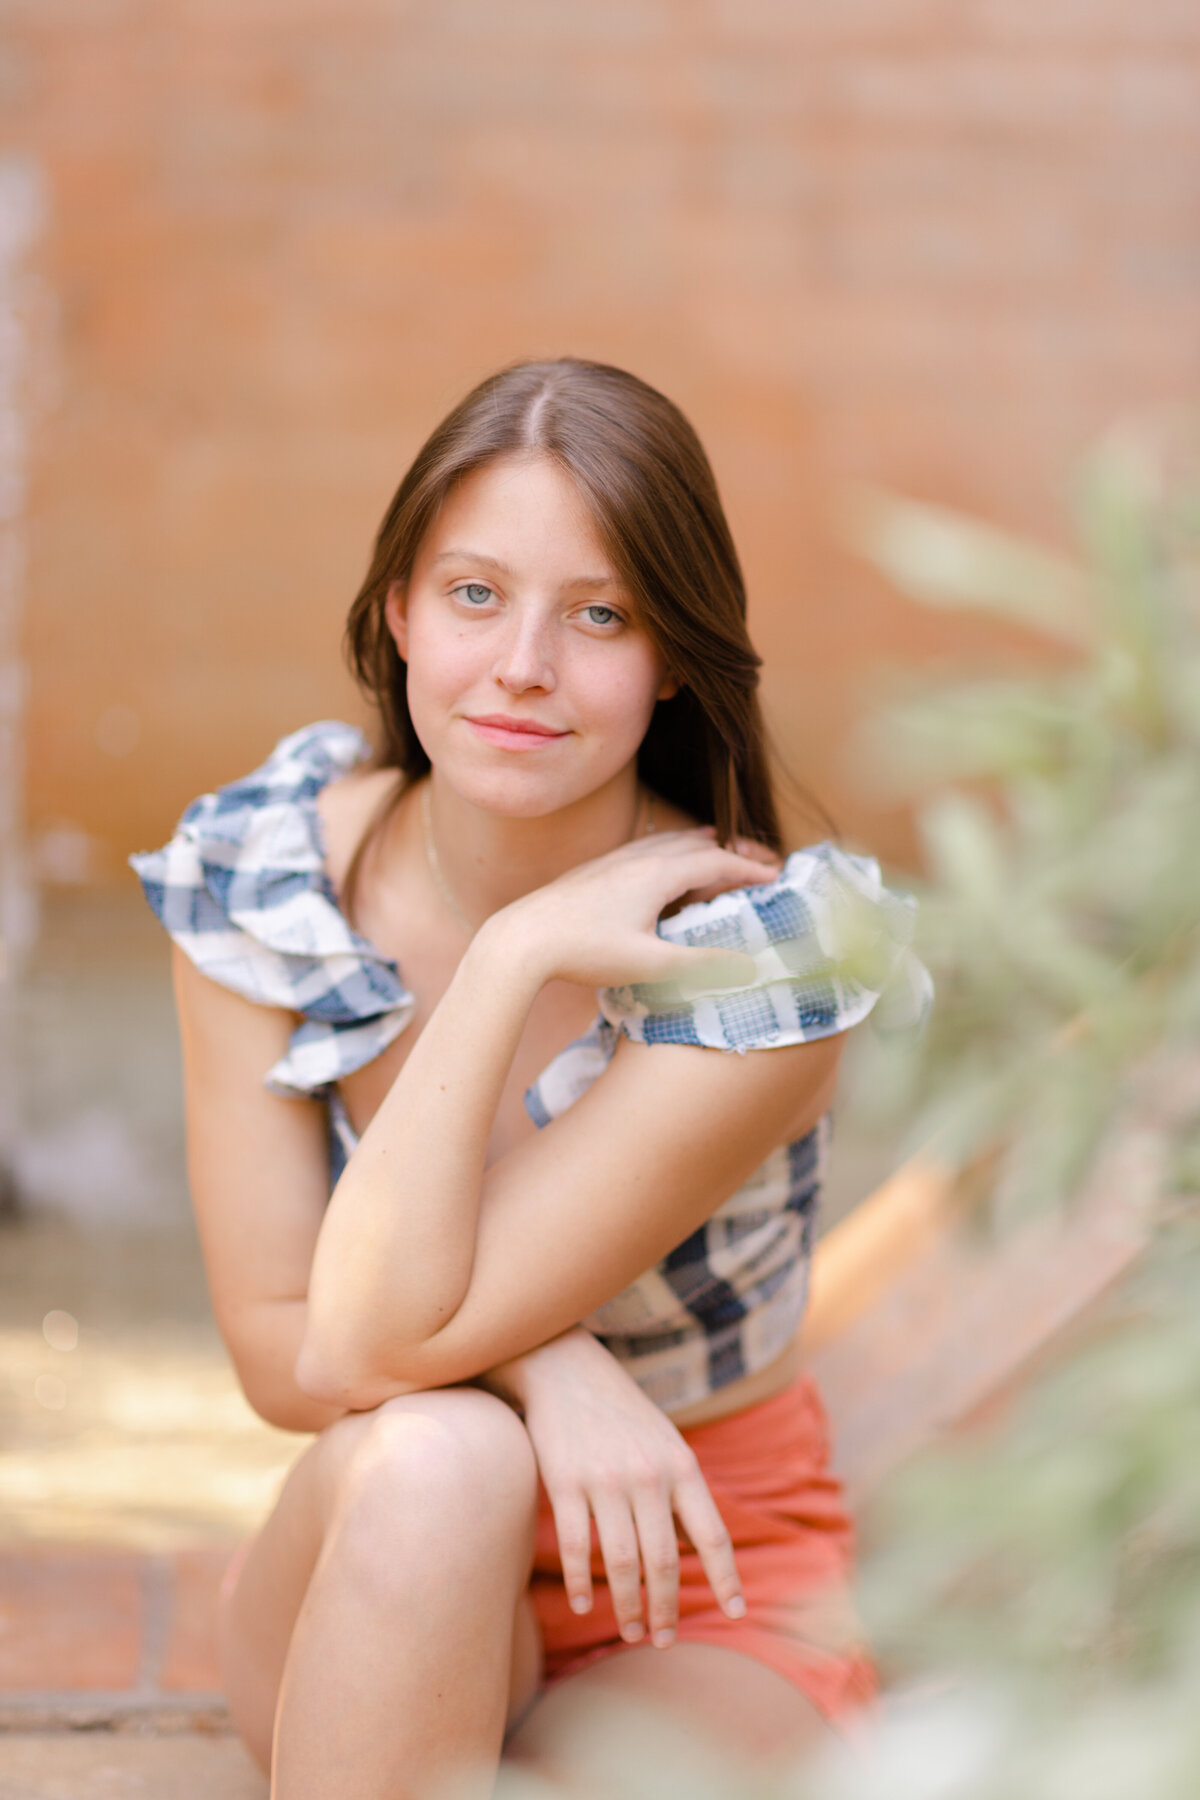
530, 682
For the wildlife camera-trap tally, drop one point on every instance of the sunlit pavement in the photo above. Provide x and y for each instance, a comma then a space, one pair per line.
122, 1767
130, 1466
128, 1472
133, 1441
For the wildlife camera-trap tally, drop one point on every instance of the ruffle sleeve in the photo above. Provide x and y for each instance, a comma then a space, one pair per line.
830, 943
242, 889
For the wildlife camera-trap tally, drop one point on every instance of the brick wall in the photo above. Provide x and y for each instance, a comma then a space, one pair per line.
936, 243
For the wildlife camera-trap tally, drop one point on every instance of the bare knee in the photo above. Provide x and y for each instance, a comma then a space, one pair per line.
448, 1474
427, 1497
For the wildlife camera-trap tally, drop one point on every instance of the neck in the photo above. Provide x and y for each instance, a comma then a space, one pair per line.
489, 859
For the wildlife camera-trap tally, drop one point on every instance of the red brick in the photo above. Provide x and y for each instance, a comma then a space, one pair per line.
956, 235
190, 1663
69, 1619
1087, 24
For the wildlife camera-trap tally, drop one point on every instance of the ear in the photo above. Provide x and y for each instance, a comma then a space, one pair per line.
395, 611
670, 687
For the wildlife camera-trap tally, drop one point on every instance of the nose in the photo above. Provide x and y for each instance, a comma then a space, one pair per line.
525, 660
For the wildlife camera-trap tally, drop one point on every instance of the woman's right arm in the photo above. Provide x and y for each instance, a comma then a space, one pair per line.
258, 1167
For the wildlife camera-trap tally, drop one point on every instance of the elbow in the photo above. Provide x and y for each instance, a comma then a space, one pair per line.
292, 1411
263, 1363
340, 1375
334, 1364
283, 1404
332, 1378
343, 1361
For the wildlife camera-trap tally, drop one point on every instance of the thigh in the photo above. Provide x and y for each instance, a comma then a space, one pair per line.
702, 1698
266, 1586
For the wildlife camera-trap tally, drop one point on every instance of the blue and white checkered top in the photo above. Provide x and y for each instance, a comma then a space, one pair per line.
243, 889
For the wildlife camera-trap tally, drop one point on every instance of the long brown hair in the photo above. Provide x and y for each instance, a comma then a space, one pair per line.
642, 472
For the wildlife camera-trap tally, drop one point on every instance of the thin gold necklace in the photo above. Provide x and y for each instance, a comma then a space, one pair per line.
435, 867
641, 828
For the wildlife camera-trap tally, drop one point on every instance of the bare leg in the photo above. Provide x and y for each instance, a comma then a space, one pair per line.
689, 1705
380, 1618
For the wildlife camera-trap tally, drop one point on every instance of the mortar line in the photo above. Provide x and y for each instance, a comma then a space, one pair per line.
157, 1583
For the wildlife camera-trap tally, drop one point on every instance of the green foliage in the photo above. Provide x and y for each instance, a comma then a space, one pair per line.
1062, 836
1038, 1589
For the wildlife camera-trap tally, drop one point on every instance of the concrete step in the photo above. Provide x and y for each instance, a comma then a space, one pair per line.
94, 1765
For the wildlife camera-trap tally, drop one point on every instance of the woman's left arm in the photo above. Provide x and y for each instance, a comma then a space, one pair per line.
429, 1269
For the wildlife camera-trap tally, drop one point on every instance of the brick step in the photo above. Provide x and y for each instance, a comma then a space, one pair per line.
94, 1638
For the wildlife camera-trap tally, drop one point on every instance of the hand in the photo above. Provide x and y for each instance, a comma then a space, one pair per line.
595, 925
607, 1453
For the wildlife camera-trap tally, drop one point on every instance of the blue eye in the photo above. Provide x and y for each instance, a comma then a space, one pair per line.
600, 615
475, 593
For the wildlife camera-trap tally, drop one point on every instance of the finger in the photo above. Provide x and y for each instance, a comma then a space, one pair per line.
699, 841
660, 1563
756, 852
618, 1545
760, 875
740, 853
700, 1518
711, 870
572, 1524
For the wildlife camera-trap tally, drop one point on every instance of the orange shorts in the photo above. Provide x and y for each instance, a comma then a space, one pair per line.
768, 1471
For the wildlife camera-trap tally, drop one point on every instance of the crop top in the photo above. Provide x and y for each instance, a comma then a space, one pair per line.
244, 890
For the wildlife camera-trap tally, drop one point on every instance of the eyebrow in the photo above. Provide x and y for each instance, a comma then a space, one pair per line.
479, 556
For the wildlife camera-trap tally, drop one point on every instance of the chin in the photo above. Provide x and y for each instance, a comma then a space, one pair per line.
515, 791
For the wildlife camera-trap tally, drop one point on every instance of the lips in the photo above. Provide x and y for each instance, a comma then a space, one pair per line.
514, 733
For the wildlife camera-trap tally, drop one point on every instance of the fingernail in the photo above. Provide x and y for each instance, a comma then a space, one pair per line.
663, 1639
580, 1603
735, 1608
634, 1632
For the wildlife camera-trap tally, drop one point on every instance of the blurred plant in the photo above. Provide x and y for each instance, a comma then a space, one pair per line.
1052, 1570
1062, 843
1048, 1575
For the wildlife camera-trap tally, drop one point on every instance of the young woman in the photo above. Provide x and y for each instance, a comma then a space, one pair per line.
557, 1245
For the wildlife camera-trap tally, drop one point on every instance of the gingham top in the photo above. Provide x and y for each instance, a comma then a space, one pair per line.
243, 889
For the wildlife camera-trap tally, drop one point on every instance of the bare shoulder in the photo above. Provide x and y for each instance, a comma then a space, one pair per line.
347, 808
